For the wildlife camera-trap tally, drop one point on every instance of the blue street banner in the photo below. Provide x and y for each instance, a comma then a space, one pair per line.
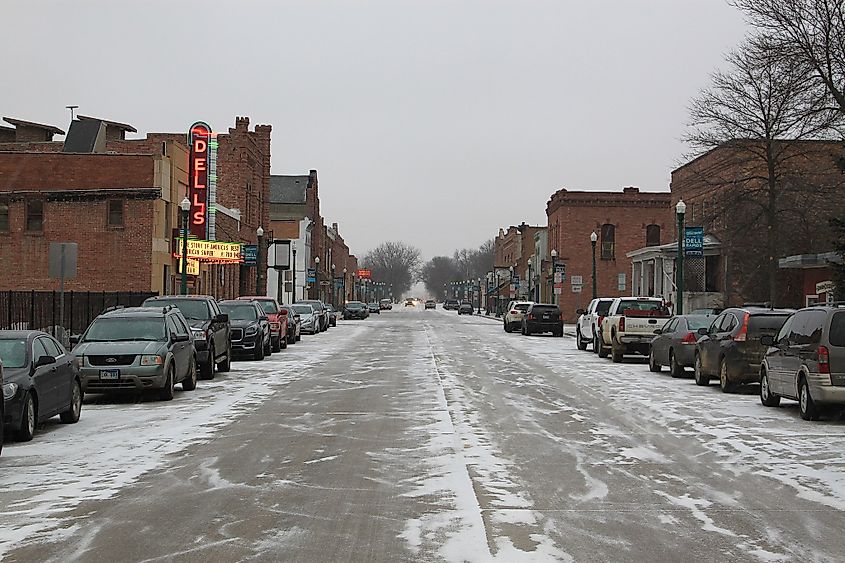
694, 241
312, 275
250, 254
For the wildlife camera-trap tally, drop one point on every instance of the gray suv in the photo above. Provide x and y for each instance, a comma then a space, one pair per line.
805, 362
137, 349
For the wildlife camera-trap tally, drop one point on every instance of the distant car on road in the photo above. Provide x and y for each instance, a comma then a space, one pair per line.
39, 379
410, 303
309, 321
451, 305
542, 317
320, 312
512, 318
674, 345
466, 308
355, 310
250, 328
374, 308
431, 304
137, 349
332, 313
277, 318
386, 304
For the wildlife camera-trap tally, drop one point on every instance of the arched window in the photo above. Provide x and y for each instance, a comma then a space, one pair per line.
608, 242
652, 235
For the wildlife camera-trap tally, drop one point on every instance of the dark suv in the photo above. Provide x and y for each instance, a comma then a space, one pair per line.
210, 330
450, 305
251, 334
805, 361
542, 317
730, 348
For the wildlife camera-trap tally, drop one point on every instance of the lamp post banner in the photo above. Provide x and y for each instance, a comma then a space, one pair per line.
694, 241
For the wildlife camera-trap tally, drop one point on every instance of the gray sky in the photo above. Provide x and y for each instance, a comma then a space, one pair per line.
432, 122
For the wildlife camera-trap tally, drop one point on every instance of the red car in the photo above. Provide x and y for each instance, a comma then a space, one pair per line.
278, 318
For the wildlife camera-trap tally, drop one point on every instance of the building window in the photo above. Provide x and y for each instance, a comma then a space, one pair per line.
4, 217
608, 241
652, 235
35, 215
115, 213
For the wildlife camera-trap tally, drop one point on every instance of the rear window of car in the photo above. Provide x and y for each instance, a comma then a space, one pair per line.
541, 310
837, 329
696, 323
766, 324
522, 307
642, 308
603, 307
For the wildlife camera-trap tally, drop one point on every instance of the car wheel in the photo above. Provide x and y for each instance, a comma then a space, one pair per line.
226, 364
276, 344
806, 405
675, 369
700, 377
291, 338
268, 348
652, 362
580, 342
168, 391
507, 327
259, 353
527, 331
28, 418
726, 385
207, 369
283, 343
603, 351
595, 344
190, 381
768, 398
616, 351
71, 415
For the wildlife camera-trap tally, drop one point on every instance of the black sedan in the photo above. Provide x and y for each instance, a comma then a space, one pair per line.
355, 310
41, 380
250, 333
466, 308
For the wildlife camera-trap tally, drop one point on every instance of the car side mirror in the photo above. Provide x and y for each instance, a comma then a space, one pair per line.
222, 318
283, 312
264, 318
703, 332
74, 340
767, 340
579, 311
658, 331
44, 361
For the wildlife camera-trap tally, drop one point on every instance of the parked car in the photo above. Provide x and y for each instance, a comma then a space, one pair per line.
674, 345
278, 321
431, 304
589, 322
465, 308
209, 327
40, 380
294, 323
707, 311
310, 322
330, 310
137, 349
250, 331
512, 319
629, 326
386, 304
542, 317
805, 361
320, 313
730, 347
451, 305
355, 310
373, 308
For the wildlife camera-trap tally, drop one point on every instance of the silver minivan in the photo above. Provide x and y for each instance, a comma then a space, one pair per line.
805, 362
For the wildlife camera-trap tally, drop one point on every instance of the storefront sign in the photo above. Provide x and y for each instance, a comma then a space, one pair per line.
365, 274
210, 250
694, 241
250, 253
199, 137
193, 267
825, 287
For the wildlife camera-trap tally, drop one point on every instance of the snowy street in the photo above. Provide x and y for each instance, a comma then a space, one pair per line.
421, 435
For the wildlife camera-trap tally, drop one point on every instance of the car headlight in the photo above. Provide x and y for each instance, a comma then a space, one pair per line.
151, 360
79, 361
251, 331
9, 390
199, 334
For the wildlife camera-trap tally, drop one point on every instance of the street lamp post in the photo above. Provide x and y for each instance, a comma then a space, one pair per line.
334, 290
293, 297
593, 238
185, 206
343, 285
317, 276
259, 232
554, 274
680, 210
479, 296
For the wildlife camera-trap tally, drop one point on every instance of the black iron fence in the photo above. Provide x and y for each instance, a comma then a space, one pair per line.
41, 310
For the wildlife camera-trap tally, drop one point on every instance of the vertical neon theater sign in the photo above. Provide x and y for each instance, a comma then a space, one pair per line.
199, 138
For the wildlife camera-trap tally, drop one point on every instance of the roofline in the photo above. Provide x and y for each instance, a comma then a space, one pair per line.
124, 126
51, 128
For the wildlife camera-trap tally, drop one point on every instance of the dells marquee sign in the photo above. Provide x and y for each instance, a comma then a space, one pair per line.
199, 138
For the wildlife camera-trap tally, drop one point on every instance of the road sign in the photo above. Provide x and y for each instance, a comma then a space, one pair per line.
577, 280
558, 277
576, 288
558, 290
250, 254
63, 260
560, 268
694, 241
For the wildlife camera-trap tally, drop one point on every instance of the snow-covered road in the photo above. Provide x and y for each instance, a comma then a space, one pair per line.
422, 436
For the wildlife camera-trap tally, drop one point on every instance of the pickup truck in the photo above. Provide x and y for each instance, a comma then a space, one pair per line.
586, 331
629, 326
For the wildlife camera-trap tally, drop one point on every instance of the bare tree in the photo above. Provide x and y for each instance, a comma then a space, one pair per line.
763, 111
394, 263
438, 272
810, 34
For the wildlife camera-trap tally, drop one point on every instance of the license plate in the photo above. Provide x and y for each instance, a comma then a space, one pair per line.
109, 374
545, 317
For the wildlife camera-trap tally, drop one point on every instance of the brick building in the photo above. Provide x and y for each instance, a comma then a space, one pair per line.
624, 221
726, 194
517, 248
119, 201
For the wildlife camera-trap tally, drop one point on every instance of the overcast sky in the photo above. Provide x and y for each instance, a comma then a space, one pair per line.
431, 122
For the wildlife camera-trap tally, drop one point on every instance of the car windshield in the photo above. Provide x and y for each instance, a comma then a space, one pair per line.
195, 309
269, 306
303, 309
239, 312
119, 329
13, 353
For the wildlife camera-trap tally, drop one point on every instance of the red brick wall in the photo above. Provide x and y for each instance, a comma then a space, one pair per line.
572, 216
37, 171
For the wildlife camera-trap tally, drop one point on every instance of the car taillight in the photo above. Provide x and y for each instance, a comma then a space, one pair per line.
560, 316
689, 338
275, 326
600, 319
514, 312
621, 324
742, 335
530, 317
824, 360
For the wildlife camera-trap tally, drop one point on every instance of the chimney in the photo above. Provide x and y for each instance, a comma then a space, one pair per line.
334, 228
